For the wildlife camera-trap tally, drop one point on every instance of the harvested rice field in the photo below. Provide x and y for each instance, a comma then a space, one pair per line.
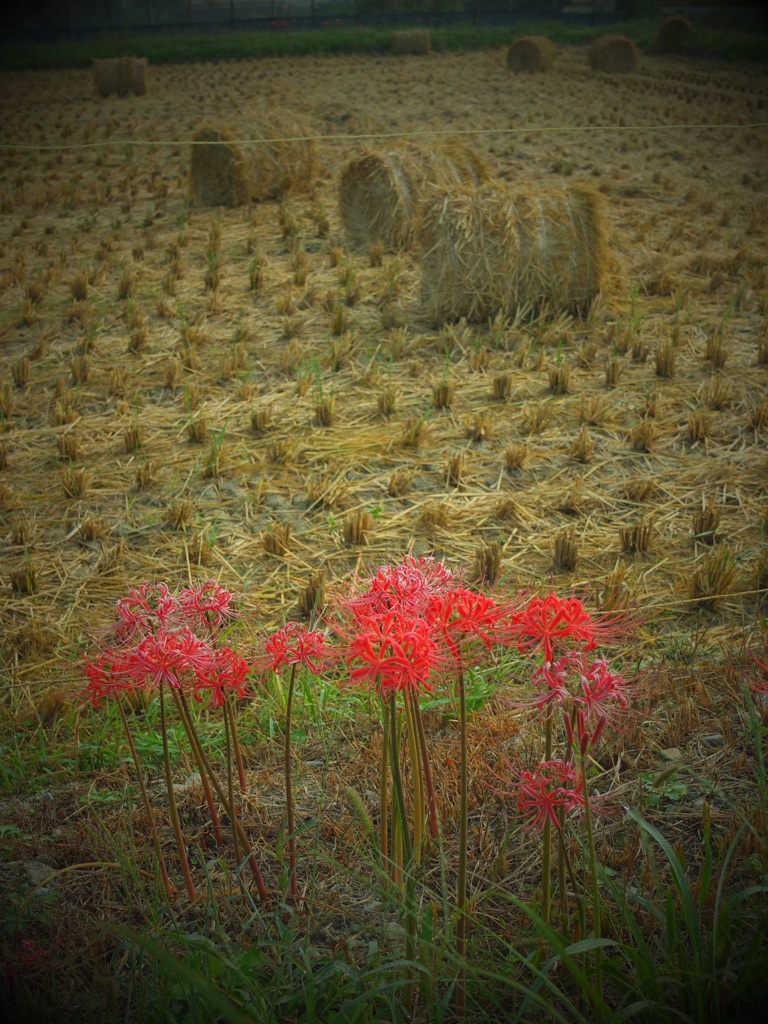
239, 392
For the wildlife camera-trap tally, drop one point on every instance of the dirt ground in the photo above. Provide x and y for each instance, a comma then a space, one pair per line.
160, 421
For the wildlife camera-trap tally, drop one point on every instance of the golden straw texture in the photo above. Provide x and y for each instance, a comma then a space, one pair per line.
492, 250
231, 166
531, 53
380, 192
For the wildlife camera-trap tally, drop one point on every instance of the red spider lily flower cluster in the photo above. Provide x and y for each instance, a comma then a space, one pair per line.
551, 786
460, 614
589, 692
411, 622
592, 686
225, 673
389, 642
208, 605
295, 644
155, 645
406, 588
549, 624
392, 652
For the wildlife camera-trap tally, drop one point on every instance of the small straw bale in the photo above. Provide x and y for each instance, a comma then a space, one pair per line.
531, 53
137, 75
120, 75
124, 70
380, 192
411, 41
493, 250
106, 74
614, 54
671, 33
231, 166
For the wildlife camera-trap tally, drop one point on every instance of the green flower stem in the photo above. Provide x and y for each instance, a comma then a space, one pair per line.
397, 779
231, 785
546, 836
410, 919
147, 805
289, 791
236, 745
194, 744
426, 768
561, 855
172, 809
256, 871
461, 895
384, 790
418, 792
579, 899
595, 892
396, 853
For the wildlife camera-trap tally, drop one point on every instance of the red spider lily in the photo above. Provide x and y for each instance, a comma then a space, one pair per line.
460, 614
166, 656
206, 605
225, 674
551, 785
392, 652
404, 588
109, 675
550, 623
295, 644
144, 609
601, 690
554, 675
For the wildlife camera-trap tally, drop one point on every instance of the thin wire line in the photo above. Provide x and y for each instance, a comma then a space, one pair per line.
534, 129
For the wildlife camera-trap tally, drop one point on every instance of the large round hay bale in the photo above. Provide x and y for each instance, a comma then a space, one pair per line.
531, 53
124, 75
671, 32
106, 74
411, 41
380, 192
231, 166
614, 54
120, 75
137, 76
492, 249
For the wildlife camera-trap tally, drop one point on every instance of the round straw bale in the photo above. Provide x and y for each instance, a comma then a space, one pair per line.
413, 41
491, 249
380, 191
105, 74
231, 166
613, 54
137, 76
286, 160
531, 53
124, 75
671, 32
